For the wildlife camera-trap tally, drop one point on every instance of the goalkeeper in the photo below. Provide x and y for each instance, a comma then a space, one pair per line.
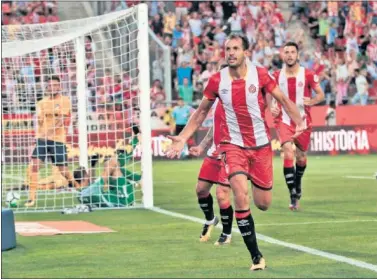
115, 186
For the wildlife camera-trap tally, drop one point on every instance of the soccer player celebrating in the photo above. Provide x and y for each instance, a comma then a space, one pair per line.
245, 140
53, 115
297, 84
213, 172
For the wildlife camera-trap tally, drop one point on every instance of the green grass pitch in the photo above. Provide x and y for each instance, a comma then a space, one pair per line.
339, 216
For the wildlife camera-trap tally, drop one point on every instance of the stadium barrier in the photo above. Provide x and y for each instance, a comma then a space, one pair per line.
357, 133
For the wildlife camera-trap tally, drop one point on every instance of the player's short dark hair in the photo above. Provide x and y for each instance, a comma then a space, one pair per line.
79, 174
287, 44
245, 41
54, 77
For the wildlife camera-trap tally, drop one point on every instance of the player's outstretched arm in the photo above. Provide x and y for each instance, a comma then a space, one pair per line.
198, 150
290, 108
193, 124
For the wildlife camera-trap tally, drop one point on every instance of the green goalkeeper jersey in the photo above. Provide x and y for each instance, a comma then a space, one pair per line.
120, 193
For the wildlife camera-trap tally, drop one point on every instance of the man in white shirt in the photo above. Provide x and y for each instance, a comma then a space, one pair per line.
195, 24
207, 74
362, 89
235, 23
331, 114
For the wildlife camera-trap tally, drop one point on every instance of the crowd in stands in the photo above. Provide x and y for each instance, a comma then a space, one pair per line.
344, 57
196, 32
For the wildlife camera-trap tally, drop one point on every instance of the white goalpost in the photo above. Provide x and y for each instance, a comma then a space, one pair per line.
101, 65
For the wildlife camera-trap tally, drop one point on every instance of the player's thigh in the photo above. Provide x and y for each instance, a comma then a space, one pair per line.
210, 170
261, 172
302, 142
58, 153
284, 133
235, 160
40, 152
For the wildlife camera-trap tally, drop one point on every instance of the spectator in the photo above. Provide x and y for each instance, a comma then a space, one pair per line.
351, 43
342, 80
207, 74
332, 35
177, 35
185, 71
195, 24
157, 25
169, 23
220, 35
362, 87
373, 31
186, 91
331, 114
157, 70
372, 50
181, 9
324, 26
235, 23
307, 61
181, 115
372, 69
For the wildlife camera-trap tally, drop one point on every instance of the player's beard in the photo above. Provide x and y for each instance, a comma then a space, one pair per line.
291, 65
236, 65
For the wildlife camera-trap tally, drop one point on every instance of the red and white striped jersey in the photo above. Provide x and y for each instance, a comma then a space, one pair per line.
296, 88
218, 117
243, 104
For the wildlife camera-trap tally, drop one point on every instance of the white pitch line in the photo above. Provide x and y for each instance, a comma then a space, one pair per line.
271, 240
319, 222
360, 177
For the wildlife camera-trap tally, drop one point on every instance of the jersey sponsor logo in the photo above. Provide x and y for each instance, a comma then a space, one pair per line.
316, 78
252, 88
224, 91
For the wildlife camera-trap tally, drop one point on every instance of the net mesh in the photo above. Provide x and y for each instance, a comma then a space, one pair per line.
40, 124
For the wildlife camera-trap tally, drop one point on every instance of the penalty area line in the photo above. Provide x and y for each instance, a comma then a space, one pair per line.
271, 240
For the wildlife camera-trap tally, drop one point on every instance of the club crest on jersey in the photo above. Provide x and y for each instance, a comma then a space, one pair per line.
300, 84
252, 88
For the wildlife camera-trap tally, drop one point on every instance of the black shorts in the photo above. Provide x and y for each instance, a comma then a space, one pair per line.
53, 149
179, 128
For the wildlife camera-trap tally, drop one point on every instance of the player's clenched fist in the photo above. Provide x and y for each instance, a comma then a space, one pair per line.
176, 147
196, 150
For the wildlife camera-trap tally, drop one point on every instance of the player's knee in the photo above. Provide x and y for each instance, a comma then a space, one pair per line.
301, 159
223, 196
288, 151
263, 205
202, 190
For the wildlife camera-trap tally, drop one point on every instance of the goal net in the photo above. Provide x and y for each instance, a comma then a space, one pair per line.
76, 113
